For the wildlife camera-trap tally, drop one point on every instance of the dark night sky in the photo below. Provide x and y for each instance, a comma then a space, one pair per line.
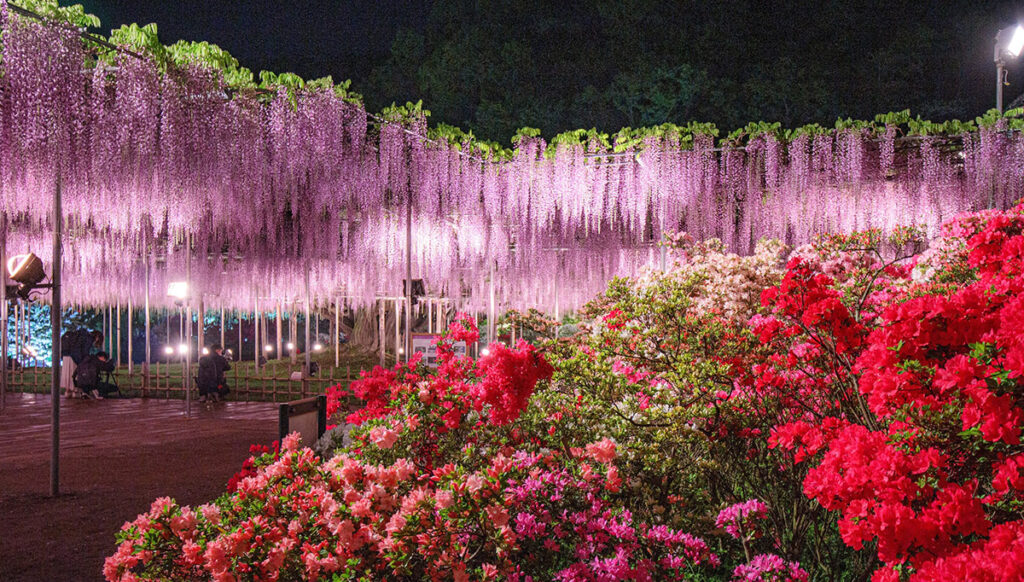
846, 58
313, 38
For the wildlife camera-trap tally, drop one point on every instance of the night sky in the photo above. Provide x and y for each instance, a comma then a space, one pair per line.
492, 66
313, 38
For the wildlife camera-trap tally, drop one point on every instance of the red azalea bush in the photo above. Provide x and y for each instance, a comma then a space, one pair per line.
922, 457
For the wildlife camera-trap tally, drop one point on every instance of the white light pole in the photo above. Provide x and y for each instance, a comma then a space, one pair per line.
1009, 43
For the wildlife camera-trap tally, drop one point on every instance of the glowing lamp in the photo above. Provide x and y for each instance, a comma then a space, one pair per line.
178, 290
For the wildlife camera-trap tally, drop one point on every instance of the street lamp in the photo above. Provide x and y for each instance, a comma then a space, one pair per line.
1009, 44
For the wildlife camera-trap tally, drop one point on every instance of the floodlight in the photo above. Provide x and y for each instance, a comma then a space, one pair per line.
26, 269
401, 351
1010, 42
183, 349
485, 352
317, 347
290, 346
206, 351
178, 290
169, 350
268, 348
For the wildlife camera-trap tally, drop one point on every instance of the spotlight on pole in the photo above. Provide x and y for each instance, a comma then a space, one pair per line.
206, 351
317, 347
290, 346
1009, 44
169, 350
268, 348
27, 271
183, 349
485, 352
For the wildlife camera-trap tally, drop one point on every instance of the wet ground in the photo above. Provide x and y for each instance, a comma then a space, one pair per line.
117, 456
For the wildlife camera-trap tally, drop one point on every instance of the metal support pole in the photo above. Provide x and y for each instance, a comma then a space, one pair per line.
337, 332
306, 343
149, 347
131, 365
279, 324
430, 316
408, 279
55, 323
3, 310
293, 334
398, 330
201, 328
492, 328
188, 327
1000, 75
257, 347
118, 330
222, 328
380, 328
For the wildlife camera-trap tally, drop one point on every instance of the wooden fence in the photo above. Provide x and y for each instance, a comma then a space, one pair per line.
163, 381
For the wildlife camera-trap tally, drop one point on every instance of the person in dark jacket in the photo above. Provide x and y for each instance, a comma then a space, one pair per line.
87, 375
210, 379
78, 343
75, 345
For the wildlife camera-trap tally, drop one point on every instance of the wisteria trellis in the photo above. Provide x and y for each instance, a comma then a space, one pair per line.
146, 156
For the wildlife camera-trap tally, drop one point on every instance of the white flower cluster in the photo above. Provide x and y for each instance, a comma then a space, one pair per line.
722, 282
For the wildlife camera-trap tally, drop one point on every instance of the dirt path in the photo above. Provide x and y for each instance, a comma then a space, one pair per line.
117, 457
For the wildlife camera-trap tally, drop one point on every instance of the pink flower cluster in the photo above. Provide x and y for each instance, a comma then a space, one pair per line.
769, 568
740, 520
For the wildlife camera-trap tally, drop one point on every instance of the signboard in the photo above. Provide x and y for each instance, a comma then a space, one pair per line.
425, 342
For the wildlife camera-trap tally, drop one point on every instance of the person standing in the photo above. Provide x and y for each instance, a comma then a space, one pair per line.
211, 380
75, 346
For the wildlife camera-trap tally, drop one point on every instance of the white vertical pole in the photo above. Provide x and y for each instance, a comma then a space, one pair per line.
118, 328
222, 330
337, 332
308, 346
279, 324
398, 329
131, 365
257, 346
380, 328
188, 327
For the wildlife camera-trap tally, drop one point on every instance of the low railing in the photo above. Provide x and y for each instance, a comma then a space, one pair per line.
162, 381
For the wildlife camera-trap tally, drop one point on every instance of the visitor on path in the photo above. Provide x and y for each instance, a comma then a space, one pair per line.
87, 375
212, 383
75, 345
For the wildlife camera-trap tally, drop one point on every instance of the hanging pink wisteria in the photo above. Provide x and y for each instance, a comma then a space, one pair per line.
163, 163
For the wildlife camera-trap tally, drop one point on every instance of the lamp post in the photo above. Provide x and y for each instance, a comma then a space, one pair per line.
1009, 43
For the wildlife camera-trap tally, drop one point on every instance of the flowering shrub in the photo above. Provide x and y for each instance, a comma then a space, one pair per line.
926, 468
868, 411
